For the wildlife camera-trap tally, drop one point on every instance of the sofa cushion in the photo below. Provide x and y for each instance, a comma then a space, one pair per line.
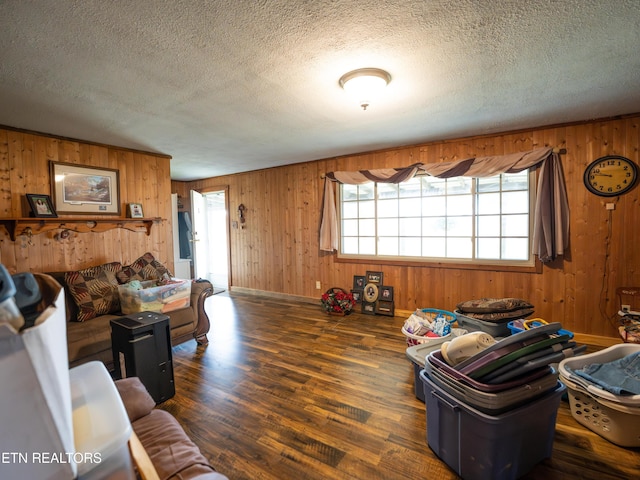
171, 451
144, 268
135, 397
94, 290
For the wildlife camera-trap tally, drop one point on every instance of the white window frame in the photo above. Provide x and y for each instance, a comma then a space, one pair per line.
473, 262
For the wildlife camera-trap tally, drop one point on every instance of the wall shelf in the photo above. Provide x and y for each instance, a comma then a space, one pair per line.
34, 226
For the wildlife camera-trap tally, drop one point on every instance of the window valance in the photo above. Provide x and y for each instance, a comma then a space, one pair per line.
551, 215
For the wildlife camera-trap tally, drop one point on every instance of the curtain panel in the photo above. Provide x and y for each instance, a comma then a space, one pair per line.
551, 214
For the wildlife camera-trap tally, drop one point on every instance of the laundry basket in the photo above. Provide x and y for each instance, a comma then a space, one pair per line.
431, 314
614, 417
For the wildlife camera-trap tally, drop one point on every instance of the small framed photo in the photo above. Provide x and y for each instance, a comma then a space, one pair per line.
134, 210
359, 281
41, 205
374, 277
385, 308
368, 308
386, 293
357, 295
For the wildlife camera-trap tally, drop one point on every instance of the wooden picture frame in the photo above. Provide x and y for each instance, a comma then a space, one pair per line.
134, 210
385, 308
359, 281
79, 189
375, 277
357, 295
368, 308
386, 293
41, 206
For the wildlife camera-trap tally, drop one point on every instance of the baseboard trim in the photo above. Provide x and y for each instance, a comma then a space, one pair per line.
283, 296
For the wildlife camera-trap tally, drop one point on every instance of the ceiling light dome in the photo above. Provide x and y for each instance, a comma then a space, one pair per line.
365, 84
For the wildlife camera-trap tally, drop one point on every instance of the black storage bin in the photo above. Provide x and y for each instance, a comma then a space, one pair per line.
141, 346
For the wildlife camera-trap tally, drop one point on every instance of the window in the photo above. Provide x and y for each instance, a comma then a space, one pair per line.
460, 219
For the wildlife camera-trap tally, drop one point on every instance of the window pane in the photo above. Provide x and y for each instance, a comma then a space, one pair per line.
367, 227
388, 227
490, 184
410, 227
488, 248
366, 191
434, 227
459, 185
350, 245
387, 208
434, 247
515, 225
349, 192
410, 188
350, 228
488, 226
388, 246
434, 206
350, 210
459, 205
367, 245
515, 202
515, 248
387, 190
410, 246
488, 203
432, 186
367, 209
410, 207
515, 181
459, 248
460, 226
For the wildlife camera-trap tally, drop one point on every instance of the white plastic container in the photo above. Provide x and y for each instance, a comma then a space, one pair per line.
613, 417
101, 427
161, 299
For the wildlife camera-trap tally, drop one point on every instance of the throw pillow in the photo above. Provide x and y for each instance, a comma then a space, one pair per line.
94, 290
493, 305
144, 268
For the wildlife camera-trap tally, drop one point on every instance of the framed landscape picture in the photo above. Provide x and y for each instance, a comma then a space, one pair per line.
79, 189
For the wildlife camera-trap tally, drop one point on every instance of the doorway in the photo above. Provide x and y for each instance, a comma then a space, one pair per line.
210, 237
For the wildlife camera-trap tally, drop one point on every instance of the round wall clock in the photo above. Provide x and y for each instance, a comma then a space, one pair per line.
610, 176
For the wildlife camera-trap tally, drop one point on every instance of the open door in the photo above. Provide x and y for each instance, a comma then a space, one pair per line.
200, 236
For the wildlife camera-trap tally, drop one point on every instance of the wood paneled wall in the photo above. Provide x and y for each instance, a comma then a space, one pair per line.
278, 250
24, 168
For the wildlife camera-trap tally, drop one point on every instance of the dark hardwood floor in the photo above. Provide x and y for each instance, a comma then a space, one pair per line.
284, 391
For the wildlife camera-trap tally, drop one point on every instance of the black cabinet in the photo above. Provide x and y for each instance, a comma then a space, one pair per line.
141, 346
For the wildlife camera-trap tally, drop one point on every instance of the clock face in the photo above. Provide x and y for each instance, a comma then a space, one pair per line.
611, 176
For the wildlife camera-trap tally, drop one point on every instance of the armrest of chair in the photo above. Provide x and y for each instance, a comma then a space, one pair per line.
141, 459
200, 291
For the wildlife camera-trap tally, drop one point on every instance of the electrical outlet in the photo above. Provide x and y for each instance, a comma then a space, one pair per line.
318, 285
626, 308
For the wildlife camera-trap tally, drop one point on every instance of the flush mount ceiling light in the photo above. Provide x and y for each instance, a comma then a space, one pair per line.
365, 84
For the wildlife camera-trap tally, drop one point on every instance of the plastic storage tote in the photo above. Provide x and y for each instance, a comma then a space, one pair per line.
494, 329
481, 446
418, 354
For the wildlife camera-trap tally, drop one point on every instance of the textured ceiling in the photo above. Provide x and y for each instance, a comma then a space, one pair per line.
232, 85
